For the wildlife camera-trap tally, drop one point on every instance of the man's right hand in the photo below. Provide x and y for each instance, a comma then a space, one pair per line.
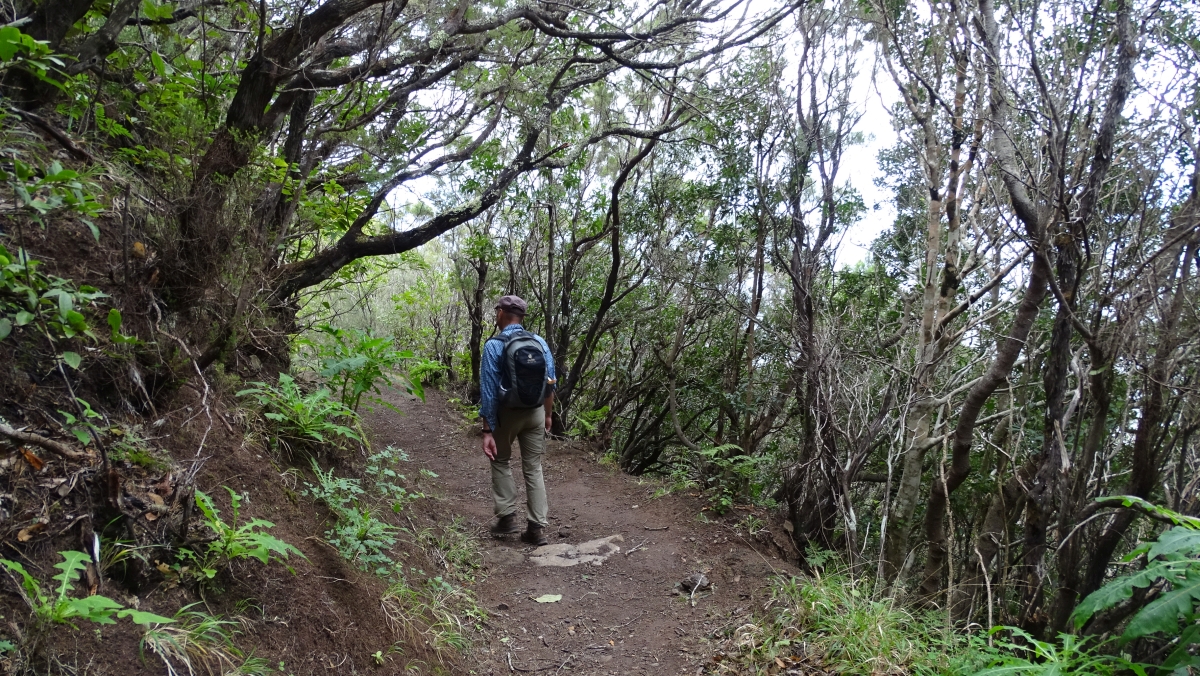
489, 445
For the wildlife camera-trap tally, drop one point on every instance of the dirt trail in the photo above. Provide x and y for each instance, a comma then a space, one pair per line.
623, 616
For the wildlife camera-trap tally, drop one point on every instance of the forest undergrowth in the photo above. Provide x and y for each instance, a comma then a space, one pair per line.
227, 229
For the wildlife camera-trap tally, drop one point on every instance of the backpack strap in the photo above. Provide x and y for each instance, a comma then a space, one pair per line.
505, 338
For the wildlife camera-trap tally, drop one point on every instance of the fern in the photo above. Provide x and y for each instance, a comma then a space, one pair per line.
1174, 560
303, 418
357, 534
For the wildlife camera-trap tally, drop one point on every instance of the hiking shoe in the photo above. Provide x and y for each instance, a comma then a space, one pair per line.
533, 535
506, 525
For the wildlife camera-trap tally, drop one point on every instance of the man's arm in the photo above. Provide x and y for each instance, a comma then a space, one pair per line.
550, 377
550, 374
489, 378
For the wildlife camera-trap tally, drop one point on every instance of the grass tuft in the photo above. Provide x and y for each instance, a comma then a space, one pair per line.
429, 618
840, 624
199, 643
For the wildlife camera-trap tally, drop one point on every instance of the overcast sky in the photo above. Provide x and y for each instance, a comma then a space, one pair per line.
861, 166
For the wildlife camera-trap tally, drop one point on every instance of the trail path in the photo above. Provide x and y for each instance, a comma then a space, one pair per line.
623, 616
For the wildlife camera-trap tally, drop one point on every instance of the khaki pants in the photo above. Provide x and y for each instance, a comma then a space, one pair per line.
528, 425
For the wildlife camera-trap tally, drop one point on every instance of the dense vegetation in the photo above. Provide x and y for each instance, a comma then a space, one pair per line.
993, 415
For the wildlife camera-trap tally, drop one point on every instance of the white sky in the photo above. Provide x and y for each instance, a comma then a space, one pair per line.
861, 164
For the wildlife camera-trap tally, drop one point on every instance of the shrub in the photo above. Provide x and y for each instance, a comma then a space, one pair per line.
357, 534
588, 422
197, 642
1028, 656
432, 614
1173, 566
303, 419
452, 547
843, 625
732, 472
232, 542
356, 363
27, 295
130, 445
387, 480
425, 371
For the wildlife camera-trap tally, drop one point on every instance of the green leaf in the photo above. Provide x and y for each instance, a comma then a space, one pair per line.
1163, 613
1117, 591
155, 11
204, 503
98, 609
72, 359
66, 303
73, 562
549, 598
27, 581
10, 42
143, 618
159, 66
343, 365
22, 318
1177, 539
114, 321
5, 327
76, 320
1180, 657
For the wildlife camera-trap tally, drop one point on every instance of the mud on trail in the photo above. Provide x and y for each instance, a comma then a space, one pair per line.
617, 557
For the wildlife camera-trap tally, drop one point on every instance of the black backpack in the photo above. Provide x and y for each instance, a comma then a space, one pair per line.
523, 372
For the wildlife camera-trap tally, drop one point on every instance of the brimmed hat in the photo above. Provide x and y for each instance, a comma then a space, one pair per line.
513, 304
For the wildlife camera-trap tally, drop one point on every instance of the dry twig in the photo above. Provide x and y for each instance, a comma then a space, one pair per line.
41, 442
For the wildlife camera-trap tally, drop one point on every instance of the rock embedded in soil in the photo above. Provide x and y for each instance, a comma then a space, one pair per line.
565, 555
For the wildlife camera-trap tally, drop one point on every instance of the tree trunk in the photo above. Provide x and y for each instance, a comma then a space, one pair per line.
204, 237
1145, 460
103, 42
1043, 488
964, 431
1100, 380
1034, 220
53, 19
583, 359
475, 309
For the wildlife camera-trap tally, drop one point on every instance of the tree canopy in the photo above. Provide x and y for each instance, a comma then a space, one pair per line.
668, 184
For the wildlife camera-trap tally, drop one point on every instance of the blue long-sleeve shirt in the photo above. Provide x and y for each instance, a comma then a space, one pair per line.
489, 375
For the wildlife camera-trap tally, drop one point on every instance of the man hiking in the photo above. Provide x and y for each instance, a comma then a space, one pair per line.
516, 397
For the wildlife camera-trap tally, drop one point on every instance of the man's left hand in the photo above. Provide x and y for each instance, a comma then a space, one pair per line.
549, 422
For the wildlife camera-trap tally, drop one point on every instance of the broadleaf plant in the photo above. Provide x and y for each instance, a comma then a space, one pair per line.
59, 607
1173, 565
303, 418
233, 541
